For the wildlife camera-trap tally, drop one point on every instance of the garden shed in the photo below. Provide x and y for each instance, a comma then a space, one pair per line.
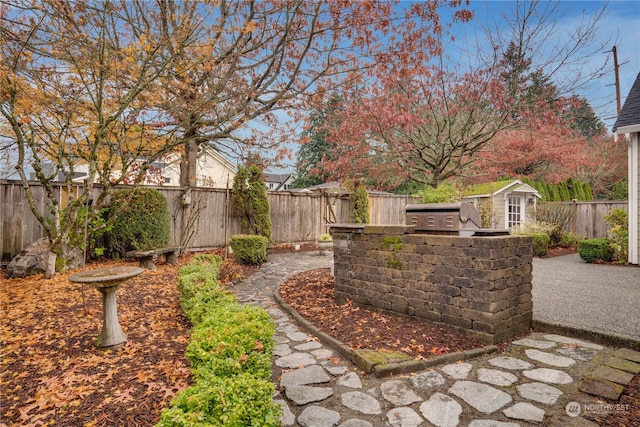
628, 124
503, 204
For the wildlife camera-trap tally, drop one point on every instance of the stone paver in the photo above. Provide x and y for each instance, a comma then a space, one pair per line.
507, 362
550, 359
525, 411
482, 397
539, 392
404, 417
524, 384
546, 375
441, 410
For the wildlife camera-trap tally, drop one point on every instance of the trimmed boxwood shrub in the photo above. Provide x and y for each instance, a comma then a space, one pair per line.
540, 243
230, 351
140, 220
249, 249
595, 249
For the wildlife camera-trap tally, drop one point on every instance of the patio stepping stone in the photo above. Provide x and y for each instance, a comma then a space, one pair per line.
482, 397
613, 375
626, 353
496, 377
572, 341
322, 353
441, 410
313, 374
539, 392
354, 422
308, 346
623, 365
282, 350
298, 336
351, 380
491, 423
404, 417
525, 411
361, 402
427, 379
459, 371
295, 360
333, 368
287, 418
550, 359
302, 394
546, 375
398, 393
317, 416
539, 344
602, 388
579, 353
513, 363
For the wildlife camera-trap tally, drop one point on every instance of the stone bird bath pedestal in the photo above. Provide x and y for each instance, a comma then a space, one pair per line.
107, 281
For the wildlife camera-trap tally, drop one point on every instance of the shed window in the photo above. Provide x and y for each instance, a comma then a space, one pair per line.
515, 211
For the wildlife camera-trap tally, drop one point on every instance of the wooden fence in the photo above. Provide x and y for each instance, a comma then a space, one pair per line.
296, 216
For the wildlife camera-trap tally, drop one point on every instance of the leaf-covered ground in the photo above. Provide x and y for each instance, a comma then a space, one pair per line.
51, 373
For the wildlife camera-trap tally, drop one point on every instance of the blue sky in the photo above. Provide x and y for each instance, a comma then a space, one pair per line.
619, 26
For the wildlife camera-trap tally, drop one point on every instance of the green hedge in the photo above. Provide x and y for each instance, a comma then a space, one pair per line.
230, 351
595, 250
140, 220
249, 249
540, 243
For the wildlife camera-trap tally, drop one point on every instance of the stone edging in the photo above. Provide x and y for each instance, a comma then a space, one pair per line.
379, 370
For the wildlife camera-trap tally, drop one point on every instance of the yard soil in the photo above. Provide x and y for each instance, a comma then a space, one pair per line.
52, 374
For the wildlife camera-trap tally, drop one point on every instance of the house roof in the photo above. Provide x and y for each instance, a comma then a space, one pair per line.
629, 118
279, 178
489, 189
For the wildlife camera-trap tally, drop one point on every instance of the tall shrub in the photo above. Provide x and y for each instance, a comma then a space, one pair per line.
140, 220
359, 199
618, 220
250, 201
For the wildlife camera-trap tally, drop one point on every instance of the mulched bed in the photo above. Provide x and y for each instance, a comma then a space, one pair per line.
312, 294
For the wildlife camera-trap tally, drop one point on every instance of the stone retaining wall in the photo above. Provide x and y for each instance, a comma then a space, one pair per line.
481, 285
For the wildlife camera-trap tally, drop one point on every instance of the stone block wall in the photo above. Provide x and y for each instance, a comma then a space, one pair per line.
481, 285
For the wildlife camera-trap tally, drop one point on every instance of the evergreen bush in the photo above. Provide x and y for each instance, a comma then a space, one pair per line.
249, 249
140, 219
540, 243
592, 250
230, 351
250, 201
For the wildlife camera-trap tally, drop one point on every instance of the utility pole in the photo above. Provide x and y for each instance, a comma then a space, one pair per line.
615, 66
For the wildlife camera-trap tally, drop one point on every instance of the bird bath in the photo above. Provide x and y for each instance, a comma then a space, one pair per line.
107, 281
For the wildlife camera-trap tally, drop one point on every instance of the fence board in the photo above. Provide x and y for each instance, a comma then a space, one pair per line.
296, 217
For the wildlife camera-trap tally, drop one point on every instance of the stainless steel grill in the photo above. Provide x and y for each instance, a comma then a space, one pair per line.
460, 219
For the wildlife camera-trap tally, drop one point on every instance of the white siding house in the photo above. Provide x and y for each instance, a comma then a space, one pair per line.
628, 124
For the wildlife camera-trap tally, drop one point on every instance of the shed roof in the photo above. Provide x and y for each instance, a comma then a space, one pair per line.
629, 117
488, 189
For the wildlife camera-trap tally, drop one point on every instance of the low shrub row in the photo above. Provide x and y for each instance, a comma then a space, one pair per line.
230, 351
